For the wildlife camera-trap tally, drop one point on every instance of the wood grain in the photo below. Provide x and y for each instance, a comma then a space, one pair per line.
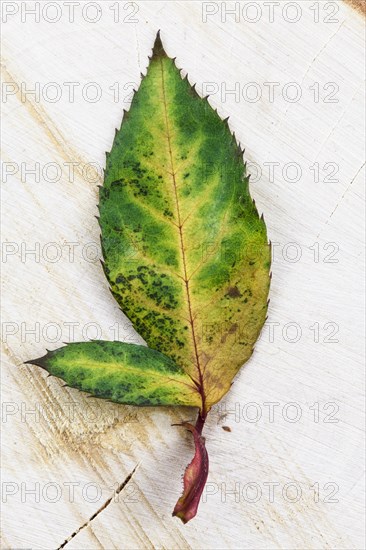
125, 464
359, 5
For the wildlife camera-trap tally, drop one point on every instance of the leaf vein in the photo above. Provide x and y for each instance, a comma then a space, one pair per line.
180, 228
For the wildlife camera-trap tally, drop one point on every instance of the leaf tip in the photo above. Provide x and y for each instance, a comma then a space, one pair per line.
39, 361
158, 49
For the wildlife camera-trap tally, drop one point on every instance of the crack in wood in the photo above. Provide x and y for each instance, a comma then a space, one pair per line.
341, 199
103, 507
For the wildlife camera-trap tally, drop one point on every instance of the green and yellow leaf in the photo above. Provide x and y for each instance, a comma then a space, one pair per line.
120, 372
185, 251
187, 258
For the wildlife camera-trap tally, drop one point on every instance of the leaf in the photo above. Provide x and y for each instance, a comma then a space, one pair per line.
186, 256
120, 372
194, 480
185, 252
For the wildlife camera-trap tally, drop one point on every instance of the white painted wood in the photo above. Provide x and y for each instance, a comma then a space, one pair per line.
74, 439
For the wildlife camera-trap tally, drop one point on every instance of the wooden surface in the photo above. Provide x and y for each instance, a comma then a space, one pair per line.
311, 368
359, 5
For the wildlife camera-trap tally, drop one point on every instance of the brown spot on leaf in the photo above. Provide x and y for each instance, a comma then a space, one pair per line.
233, 292
231, 330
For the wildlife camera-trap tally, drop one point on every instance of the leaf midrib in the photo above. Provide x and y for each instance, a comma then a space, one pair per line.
115, 366
181, 238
